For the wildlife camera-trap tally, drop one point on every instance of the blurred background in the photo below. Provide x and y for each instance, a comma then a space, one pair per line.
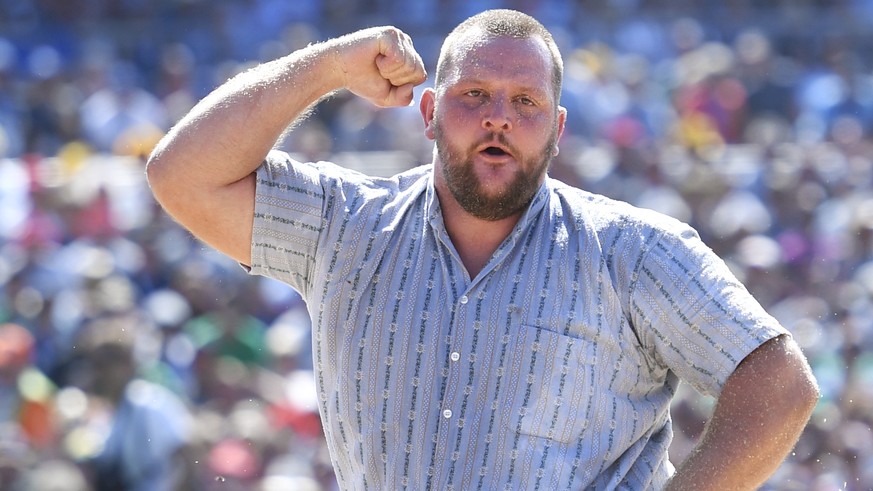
131, 353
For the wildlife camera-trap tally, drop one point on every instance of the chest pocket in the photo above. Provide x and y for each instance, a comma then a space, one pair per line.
554, 384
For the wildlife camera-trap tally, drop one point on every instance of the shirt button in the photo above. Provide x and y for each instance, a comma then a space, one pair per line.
447, 413
464, 300
455, 356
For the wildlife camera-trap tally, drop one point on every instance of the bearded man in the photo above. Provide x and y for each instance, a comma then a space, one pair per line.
477, 324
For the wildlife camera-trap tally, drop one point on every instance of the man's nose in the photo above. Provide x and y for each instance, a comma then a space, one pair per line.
498, 116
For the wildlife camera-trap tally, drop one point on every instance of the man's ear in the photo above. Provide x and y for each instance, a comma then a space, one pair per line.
562, 122
428, 100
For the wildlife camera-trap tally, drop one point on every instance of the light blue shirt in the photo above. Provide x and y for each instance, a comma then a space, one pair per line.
553, 368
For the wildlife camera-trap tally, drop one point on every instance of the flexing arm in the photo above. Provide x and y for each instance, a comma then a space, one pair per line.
758, 418
202, 171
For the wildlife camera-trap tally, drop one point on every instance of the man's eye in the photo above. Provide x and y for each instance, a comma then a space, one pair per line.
527, 101
474, 93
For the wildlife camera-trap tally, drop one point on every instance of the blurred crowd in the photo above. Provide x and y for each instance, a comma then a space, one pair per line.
134, 357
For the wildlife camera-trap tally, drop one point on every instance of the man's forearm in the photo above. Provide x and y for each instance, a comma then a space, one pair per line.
760, 414
226, 136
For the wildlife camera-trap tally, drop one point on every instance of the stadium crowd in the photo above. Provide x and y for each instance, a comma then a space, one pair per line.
130, 350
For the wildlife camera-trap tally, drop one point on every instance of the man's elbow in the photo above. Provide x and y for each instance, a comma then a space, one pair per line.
155, 168
161, 177
800, 386
807, 393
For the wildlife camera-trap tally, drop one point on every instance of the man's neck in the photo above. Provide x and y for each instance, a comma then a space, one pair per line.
475, 239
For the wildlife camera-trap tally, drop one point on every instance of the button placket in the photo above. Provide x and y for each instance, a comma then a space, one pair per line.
454, 356
452, 368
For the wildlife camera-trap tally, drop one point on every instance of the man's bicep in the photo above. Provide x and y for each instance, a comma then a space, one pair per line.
226, 223
778, 364
213, 200
774, 382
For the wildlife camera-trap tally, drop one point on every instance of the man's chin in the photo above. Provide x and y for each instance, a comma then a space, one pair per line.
491, 207
494, 170
493, 192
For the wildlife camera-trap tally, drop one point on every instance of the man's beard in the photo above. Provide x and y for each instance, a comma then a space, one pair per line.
468, 190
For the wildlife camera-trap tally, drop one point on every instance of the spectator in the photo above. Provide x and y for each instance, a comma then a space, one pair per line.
27, 426
148, 427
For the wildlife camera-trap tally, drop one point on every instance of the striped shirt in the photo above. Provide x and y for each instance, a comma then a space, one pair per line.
552, 369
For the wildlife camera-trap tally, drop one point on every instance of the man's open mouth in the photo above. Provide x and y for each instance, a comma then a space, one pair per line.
495, 151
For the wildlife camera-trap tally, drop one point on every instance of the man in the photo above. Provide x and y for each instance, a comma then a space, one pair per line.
478, 325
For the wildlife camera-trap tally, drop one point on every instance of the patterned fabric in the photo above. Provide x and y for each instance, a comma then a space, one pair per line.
553, 368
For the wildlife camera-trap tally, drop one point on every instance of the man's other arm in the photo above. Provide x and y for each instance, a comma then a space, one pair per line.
758, 418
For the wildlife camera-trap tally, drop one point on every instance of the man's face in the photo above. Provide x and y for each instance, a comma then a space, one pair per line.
496, 123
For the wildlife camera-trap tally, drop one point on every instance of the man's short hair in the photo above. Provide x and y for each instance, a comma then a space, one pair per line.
503, 22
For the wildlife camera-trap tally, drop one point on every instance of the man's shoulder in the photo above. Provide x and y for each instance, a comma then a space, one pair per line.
605, 215
344, 174
399, 182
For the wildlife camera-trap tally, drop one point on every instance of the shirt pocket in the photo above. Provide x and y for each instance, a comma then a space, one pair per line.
554, 384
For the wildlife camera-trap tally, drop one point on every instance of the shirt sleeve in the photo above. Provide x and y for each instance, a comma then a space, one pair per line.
691, 312
288, 221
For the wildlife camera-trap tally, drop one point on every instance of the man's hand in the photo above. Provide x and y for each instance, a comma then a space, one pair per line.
381, 65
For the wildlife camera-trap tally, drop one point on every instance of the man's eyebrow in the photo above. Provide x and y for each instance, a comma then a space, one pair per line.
520, 88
